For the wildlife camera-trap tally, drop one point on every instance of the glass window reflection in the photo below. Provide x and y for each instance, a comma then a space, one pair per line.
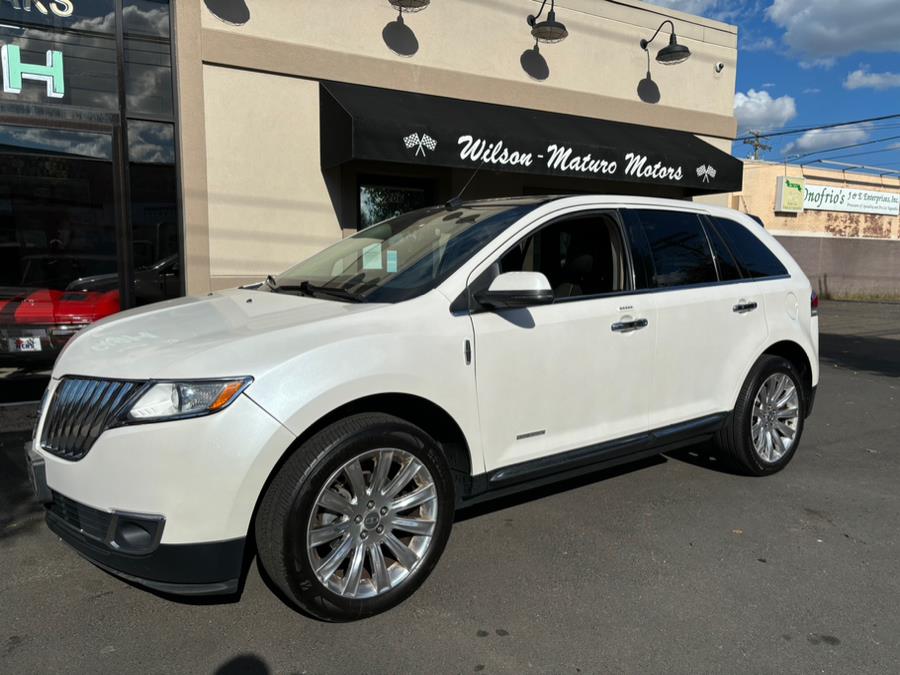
147, 17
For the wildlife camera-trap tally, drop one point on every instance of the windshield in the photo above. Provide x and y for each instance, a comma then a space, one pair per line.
403, 257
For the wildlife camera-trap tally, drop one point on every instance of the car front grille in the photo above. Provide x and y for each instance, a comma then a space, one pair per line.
89, 521
81, 409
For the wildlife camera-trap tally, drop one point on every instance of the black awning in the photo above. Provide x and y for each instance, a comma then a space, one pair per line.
368, 123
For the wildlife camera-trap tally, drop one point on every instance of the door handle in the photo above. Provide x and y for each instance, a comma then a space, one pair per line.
628, 326
744, 307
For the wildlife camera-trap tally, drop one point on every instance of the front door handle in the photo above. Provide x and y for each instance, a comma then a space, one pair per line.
628, 326
744, 307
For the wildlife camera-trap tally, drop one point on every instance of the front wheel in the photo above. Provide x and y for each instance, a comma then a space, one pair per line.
763, 431
357, 517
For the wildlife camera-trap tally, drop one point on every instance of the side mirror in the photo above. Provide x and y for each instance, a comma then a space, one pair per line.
516, 289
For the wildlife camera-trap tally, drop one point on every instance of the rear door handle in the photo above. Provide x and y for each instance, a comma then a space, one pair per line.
744, 307
628, 326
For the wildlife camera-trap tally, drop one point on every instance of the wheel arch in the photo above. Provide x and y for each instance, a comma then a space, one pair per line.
796, 354
425, 414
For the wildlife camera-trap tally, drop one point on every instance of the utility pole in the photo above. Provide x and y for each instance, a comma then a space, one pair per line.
757, 143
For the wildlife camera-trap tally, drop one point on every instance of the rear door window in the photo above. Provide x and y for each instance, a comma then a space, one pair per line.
729, 270
753, 256
679, 250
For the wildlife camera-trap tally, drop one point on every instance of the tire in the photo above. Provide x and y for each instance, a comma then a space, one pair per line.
738, 438
324, 489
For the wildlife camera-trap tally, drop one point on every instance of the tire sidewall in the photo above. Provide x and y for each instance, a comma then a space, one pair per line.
301, 577
764, 369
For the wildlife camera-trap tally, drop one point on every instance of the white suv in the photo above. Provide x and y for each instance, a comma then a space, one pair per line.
333, 418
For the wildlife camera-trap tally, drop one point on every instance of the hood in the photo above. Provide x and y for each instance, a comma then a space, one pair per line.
231, 333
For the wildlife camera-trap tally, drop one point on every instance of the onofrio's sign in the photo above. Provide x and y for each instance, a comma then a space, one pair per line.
849, 200
14, 71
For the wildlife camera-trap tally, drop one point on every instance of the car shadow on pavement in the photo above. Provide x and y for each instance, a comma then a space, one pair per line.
868, 353
19, 511
706, 456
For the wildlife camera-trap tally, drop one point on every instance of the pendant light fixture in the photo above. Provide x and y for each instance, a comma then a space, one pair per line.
409, 6
549, 30
671, 54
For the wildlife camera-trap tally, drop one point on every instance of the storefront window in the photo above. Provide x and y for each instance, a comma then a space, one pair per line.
154, 212
58, 265
383, 198
82, 15
72, 201
147, 17
148, 79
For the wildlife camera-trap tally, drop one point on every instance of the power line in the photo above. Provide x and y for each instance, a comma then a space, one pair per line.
843, 147
870, 152
821, 126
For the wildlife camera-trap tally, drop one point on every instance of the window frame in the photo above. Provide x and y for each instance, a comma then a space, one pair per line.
484, 279
634, 225
711, 223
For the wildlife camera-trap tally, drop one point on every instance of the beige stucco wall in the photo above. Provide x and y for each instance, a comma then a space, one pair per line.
268, 206
758, 197
256, 200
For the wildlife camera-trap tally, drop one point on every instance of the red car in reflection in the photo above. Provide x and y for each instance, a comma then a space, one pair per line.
38, 317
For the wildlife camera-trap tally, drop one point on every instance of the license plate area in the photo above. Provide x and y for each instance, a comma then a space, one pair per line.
24, 344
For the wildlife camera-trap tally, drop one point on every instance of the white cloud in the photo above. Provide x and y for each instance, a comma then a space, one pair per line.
824, 29
760, 45
700, 7
768, 85
812, 90
863, 79
757, 110
824, 139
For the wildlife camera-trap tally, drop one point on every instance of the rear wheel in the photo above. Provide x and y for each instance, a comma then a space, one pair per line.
763, 431
357, 517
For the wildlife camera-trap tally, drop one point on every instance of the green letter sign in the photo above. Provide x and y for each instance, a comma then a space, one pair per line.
14, 71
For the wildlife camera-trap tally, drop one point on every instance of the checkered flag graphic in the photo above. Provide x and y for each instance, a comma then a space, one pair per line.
706, 172
421, 144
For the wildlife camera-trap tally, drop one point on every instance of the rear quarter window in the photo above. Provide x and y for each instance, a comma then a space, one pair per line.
753, 256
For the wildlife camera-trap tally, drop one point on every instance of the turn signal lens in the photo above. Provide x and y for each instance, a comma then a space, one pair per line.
814, 304
174, 400
229, 391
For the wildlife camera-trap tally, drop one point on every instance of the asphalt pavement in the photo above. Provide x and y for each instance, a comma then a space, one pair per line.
673, 565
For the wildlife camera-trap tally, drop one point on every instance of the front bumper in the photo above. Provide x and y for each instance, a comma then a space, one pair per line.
167, 505
213, 568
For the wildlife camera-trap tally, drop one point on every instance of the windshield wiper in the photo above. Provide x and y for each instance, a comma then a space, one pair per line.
306, 288
334, 291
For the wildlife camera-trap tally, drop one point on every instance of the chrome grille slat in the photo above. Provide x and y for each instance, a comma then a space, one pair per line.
82, 409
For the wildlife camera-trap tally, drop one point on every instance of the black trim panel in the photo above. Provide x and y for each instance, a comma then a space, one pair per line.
533, 473
186, 569
812, 400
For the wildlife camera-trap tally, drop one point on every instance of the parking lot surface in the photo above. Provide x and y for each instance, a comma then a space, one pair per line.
673, 565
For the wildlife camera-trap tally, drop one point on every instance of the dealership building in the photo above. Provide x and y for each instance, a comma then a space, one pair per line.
150, 148
840, 221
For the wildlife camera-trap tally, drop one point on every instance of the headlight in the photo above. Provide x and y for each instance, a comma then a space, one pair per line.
173, 400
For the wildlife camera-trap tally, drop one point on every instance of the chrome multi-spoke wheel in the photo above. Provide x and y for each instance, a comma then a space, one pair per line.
775, 418
372, 523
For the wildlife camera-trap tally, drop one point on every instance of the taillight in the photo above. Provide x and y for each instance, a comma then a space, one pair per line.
814, 304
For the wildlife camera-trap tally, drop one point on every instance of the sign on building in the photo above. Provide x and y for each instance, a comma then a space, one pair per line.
789, 193
851, 200
14, 71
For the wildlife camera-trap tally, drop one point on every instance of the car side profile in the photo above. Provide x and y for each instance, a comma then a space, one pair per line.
332, 418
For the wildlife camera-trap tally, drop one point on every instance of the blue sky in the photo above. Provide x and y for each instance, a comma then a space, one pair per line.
808, 62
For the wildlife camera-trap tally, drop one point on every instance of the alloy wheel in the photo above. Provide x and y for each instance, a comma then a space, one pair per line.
775, 420
372, 523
